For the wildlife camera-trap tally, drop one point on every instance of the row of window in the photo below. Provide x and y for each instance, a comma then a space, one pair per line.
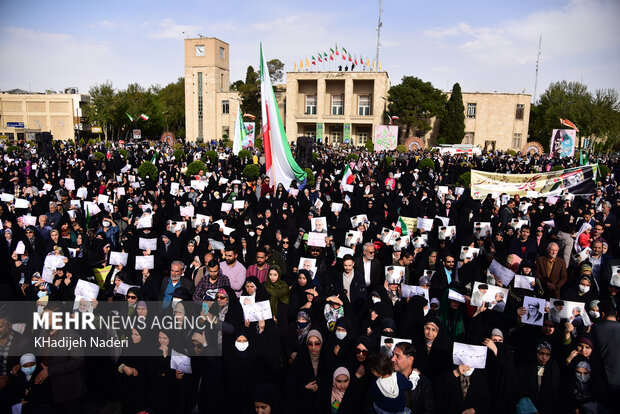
336, 137
471, 111
516, 139
337, 105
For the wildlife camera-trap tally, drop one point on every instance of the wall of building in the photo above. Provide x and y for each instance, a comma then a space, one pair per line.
55, 113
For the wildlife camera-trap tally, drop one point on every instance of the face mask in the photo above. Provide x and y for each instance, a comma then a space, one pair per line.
469, 372
267, 196
341, 335
595, 314
29, 370
241, 346
41, 293
582, 377
584, 289
375, 299
302, 325
106, 224
251, 233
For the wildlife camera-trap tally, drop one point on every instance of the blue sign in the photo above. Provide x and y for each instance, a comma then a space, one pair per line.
14, 124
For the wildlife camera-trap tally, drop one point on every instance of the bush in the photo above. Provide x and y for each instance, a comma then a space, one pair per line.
82, 142
177, 146
13, 149
315, 156
401, 148
178, 154
258, 143
99, 156
603, 171
353, 157
91, 141
557, 167
245, 154
147, 168
194, 168
202, 145
370, 147
212, 155
108, 144
388, 160
123, 153
441, 141
311, 180
426, 162
464, 179
512, 153
251, 171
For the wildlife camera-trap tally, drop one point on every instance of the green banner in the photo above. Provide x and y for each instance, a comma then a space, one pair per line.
319, 131
347, 133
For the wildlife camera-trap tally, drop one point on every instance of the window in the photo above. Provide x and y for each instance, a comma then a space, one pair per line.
469, 138
337, 105
336, 137
310, 104
225, 131
362, 137
471, 110
516, 140
310, 132
520, 110
200, 114
225, 107
363, 105
221, 53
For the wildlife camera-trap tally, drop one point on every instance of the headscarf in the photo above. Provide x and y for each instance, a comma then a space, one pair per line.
269, 394
278, 290
582, 388
315, 358
302, 333
336, 394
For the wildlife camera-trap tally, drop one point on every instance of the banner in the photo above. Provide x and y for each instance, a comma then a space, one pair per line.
563, 142
347, 134
319, 131
386, 137
578, 180
249, 138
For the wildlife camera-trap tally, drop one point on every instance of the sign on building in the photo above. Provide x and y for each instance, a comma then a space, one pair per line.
386, 137
137, 134
319, 131
14, 124
347, 133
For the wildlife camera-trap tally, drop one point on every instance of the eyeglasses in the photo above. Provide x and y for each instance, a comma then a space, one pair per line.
220, 297
313, 344
371, 252
285, 242
361, 351
132, 297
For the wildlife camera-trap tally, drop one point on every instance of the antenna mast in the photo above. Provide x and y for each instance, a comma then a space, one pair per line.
379, 31
537, 60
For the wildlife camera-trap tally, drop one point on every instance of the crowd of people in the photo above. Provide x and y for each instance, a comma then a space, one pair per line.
371, 316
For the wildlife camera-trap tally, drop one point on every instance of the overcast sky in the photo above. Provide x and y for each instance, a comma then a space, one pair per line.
485, 45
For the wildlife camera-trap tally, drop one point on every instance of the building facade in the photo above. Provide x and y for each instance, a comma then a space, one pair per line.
335, 107
24, 114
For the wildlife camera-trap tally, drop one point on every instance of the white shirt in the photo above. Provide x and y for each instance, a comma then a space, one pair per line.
346, 283
367, 265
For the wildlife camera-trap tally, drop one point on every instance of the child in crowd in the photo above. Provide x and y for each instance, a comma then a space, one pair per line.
388, 391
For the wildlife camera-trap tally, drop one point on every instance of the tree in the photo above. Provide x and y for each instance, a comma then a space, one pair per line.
250, 92
171, 99
100, 110
453, 123
276, 70
415, 102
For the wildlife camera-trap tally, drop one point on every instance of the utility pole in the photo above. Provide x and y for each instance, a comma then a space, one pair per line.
379, 32
537, 61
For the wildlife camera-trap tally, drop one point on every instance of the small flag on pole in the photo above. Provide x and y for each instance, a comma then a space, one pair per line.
569, 124
129, 116
392, 118
145, 117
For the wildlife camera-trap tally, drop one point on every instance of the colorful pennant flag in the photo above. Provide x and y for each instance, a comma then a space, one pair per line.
129, 116
144, 116
569, 124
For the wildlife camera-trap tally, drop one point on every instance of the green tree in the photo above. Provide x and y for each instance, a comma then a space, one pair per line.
101, 108
276, 70
453, 123
250, 92
171, 99
415, 102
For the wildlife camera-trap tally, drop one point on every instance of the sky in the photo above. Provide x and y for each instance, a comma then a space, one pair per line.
485, 45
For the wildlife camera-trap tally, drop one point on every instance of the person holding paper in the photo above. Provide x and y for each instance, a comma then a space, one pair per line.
462, 390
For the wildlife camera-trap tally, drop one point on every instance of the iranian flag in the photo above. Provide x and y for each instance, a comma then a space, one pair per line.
392, 118
240, 132
145, 117
129, 116
280, 165
569, 124
401, 226
348, 178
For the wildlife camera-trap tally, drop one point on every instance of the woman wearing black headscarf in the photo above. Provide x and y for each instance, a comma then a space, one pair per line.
267, 397
539, 379
298, 296
434, 349
228, 310
340, 341
133, 368
163, 376
356, 363
310, 369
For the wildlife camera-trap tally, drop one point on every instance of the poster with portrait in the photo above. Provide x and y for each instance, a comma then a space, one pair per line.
319, 224
394, 274
535, 309
469, 252
615, 276
352, 238
386, 137
563, 142
307, 264
561, 311
494, 297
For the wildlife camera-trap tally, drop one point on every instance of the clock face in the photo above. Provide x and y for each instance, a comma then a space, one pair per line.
200, 50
